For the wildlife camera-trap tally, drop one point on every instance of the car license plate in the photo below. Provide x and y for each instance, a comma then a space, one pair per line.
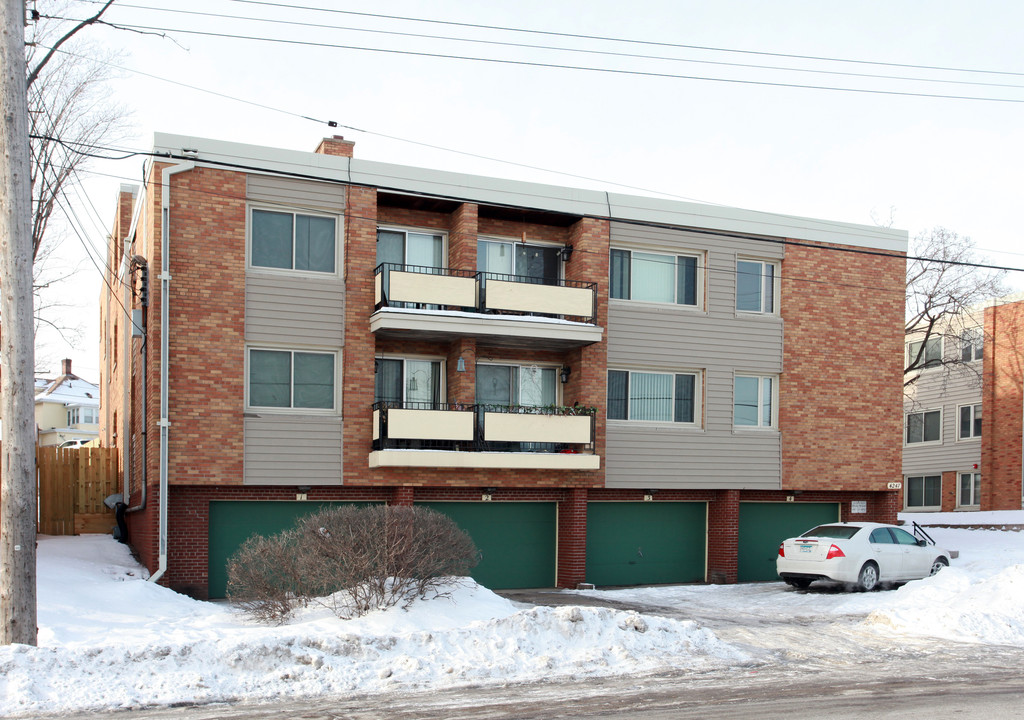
806, 548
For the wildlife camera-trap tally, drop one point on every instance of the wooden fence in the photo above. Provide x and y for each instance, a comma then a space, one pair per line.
73, 483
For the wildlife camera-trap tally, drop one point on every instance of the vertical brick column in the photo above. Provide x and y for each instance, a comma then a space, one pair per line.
402, 496
462, 234
572, 538
723, 532
462, 385
888, 505
1003, 411
950, 488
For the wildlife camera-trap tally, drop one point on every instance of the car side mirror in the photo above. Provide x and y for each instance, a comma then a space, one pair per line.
922, 543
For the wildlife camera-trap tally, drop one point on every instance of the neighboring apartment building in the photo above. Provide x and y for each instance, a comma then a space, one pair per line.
962, 446
597, 387
67, 409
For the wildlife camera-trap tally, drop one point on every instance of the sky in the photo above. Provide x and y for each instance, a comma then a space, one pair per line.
741, 139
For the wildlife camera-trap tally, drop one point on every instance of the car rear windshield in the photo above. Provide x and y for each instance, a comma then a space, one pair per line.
842, 532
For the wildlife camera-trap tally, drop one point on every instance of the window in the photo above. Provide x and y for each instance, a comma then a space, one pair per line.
932, 355
406, 247
924, 427
413, 383
516, 385
754, 401
970, 490
970, 421
293, 241
924, 491
653, 277
541, 263
658, 397
755, 286
881, 536
291, 379
83, 416
972, 344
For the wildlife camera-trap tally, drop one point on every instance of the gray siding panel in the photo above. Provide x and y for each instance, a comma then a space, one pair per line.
943, 390
285, 310
714, 339
294, 193
293, 450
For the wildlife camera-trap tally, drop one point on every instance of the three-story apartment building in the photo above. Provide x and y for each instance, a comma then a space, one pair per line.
597, 387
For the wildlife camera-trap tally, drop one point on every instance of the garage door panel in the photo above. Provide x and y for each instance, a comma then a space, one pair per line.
517, 542
646, 543
762, 526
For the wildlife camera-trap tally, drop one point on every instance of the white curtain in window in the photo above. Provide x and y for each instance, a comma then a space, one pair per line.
650, 396
653, 277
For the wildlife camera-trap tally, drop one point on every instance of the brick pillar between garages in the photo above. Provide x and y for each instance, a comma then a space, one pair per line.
402, 496
723, 536
572, 538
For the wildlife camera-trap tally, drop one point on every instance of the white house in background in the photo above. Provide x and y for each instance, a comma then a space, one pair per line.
67, 409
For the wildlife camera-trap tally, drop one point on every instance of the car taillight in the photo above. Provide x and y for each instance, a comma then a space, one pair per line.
782, 549
834, 552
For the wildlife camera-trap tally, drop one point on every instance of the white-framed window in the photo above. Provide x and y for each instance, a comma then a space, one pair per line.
755, 398
540, 263
932, 355
923, 427
83, 416
654, 396
756, 286
506, 384
968, 494
970, 422
655, 277
287, 240
972, 344
416, 383
416, 248
281, 379
923, 492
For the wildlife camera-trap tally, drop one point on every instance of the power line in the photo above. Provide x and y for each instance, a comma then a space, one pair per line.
532, 46
558, 66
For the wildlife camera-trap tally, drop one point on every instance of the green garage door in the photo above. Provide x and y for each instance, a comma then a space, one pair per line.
646, 543
234, 522
764, 525
517, 541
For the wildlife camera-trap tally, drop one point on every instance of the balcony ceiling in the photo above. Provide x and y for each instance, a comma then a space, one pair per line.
510, 331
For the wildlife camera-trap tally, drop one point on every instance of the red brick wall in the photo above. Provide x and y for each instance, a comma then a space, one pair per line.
840, 398
1003, 407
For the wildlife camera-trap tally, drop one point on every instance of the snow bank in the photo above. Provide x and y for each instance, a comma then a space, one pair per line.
110, 640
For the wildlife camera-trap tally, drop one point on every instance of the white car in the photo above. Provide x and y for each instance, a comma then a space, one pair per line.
857, 553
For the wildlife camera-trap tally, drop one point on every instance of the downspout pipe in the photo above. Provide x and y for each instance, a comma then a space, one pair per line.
165, 323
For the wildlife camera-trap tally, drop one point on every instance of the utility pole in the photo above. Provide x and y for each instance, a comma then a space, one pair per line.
18, 463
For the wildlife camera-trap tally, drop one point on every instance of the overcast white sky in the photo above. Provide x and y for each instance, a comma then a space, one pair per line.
845, 156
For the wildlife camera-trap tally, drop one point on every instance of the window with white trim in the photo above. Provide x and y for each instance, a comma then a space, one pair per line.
422, 249
756, 286
923, 492
969, 492
655, 277
932, 355
653, 396
285, 240
923, 427
291, 379
970, 422
83, 416
754, 401
415, 383
972, 344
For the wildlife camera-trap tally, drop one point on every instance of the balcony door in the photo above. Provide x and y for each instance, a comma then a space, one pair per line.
541, 264
515, 385
411, 384
413, 251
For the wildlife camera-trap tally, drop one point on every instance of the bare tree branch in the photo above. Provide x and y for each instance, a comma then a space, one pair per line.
34, 73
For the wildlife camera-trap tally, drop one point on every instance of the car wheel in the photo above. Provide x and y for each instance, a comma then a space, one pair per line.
868, 578
799, 583
937, 564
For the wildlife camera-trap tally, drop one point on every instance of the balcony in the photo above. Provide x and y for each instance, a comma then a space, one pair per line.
482, 436
427, 303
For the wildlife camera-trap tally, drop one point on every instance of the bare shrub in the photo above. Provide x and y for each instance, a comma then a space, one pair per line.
351, 559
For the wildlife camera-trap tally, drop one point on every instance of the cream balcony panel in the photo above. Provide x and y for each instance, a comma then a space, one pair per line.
552, 299
486, 460
378, 289
428, 424
376, 424
432, 289
527, 427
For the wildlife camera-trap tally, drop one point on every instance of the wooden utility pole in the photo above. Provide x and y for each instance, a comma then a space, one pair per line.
17, 470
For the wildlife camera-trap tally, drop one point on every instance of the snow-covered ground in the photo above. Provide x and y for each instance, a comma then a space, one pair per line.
108, 639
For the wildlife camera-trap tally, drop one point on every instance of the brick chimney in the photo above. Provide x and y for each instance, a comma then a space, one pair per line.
65, 366
336, 145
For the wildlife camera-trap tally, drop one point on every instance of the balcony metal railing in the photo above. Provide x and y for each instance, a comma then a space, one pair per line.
482, 427
397, 285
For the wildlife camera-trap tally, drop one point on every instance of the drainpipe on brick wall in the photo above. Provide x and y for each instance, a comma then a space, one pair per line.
165, 322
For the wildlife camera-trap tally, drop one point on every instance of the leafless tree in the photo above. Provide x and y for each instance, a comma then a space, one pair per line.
944, 288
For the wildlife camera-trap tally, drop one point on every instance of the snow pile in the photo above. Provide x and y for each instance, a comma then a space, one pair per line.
108, 639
